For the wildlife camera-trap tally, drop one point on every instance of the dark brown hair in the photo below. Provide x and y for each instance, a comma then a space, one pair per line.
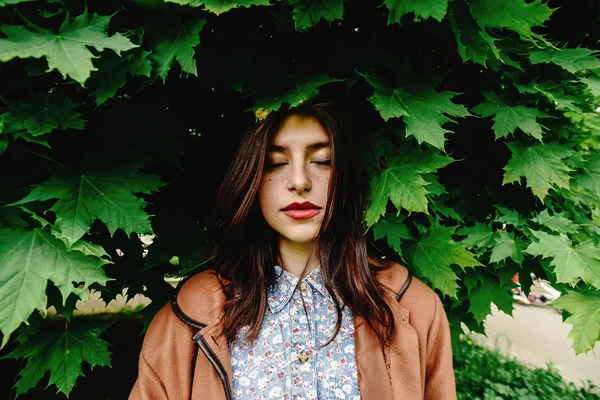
247, 248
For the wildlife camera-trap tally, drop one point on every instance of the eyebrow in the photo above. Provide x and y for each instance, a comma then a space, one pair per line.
281, 149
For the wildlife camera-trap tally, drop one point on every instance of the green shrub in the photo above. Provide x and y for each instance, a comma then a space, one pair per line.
485, 374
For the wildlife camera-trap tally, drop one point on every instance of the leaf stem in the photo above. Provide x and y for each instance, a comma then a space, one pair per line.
43, 156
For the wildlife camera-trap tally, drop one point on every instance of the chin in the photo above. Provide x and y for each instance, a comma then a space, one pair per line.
299, 237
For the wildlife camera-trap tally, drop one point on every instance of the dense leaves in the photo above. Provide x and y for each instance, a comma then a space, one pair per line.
478, 121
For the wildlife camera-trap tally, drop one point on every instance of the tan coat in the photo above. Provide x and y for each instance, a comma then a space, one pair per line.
419, 359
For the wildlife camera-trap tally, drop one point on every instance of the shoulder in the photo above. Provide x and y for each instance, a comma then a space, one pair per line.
200, 297
205, 283
196, 304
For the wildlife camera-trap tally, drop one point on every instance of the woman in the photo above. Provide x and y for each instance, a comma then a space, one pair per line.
294, 308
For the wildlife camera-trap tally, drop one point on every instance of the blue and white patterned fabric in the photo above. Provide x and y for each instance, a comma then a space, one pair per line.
287, 361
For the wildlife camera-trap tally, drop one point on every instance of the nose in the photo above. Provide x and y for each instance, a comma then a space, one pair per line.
299, 179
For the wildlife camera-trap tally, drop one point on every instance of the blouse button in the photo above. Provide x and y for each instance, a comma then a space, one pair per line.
303, 287
303, 356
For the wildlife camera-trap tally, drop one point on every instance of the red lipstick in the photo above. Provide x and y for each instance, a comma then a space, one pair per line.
305, 210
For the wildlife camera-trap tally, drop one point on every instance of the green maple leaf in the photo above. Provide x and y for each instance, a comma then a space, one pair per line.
508, 118
556, 94
589, 176
66, 51
308, 13
219, 7
472, 42
297, 91
481, 298
402, 183
434, 187
569, 104
593, 84
596, 216
424, 109
7, 2
573, 60
394, 230
516, 15
43, 114
177, 44
433, 255
41, 140
471, 281
478, 235
421, 8
89, 249
112, 73
505, 246
28, 259
84, 198
555, 222
60, 353
584, 307
540, 164
571, 263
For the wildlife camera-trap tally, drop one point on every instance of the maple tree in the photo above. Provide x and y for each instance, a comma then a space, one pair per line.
478, 119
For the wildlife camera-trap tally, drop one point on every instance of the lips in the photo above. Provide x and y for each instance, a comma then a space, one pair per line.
305, 210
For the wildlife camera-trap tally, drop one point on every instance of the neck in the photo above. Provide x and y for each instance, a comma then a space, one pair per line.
295, 257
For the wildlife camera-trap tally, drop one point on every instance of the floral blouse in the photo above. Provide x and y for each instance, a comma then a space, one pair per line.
288, 360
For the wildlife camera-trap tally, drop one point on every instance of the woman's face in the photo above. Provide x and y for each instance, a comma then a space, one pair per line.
293, 190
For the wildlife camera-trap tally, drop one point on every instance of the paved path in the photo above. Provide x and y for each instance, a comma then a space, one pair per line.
537, 335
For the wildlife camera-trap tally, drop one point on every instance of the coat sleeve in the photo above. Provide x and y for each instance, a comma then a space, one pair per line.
439, 377
165, 362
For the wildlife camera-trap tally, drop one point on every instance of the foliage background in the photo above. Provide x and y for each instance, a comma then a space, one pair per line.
117, 118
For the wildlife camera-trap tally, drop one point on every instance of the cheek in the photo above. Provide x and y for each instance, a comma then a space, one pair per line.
323, 180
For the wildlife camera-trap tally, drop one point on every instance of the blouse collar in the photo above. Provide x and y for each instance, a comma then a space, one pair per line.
281, 291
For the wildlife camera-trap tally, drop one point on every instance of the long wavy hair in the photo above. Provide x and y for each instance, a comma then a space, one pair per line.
246, 247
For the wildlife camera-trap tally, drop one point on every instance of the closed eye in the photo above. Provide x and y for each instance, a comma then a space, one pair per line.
274, 165
324, 162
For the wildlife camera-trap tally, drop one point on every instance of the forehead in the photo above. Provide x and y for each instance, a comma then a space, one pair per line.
298, 130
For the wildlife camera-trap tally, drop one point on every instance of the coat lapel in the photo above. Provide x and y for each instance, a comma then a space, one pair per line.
205, 372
